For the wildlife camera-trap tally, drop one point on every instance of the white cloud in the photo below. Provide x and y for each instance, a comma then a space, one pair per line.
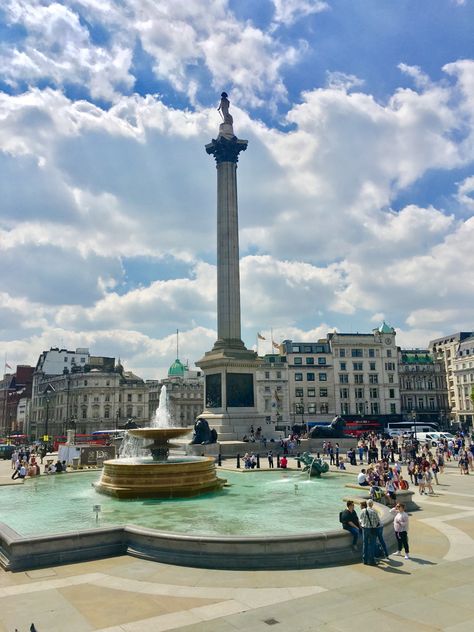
289, 11
465, 193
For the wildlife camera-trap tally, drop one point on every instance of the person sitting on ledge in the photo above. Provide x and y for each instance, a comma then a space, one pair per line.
350, 522
362, 479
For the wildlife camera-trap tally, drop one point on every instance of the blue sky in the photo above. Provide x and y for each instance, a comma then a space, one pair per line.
356, 194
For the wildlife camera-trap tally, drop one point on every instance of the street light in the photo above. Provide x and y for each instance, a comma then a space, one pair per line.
47, 397
302, 411
413, 416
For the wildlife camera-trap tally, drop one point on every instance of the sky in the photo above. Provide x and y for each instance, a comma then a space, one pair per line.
356, 192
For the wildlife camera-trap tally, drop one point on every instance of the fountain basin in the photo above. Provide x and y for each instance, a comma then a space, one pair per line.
177, 477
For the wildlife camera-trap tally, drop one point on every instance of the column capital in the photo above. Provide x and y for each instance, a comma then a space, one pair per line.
226, 150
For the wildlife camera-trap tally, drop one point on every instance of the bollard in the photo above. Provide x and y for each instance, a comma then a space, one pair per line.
318, 455
278, 460
238, 462
258, 461
219, 459
298, 461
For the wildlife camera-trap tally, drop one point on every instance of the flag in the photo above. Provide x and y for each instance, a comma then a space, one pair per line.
7, 366
260, 337
276, 345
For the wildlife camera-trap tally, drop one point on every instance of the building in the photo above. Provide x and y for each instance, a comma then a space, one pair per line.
273, 397
15, 388
310, 381
423, 387
446, 349
185, 392
97, 395
54, 361
463, 374
366, 374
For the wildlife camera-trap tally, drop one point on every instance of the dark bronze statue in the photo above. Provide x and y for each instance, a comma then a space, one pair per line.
203, 434
335, 430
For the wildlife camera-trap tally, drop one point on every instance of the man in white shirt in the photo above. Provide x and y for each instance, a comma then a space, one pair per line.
362, 479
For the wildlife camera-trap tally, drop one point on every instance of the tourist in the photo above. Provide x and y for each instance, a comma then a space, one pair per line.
360, 449
390, 492
362, 478
400, 525
14, 459
369, 520
270, 459
350, 522
380, 538
20, 471
247, 461
283, 462
427, 480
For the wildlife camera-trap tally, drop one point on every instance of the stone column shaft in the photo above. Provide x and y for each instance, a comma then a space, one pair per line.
228, 274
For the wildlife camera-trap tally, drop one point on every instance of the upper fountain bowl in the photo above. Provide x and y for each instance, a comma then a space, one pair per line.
161, 435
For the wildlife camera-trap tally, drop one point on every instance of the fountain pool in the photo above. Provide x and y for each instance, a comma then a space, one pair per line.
260, 520
257, 503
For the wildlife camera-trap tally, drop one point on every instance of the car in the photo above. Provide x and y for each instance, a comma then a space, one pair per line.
6, 451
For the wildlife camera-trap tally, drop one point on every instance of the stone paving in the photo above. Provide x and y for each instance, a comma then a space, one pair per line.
431, 591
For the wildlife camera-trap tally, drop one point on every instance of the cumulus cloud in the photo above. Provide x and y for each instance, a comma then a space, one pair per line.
289, 11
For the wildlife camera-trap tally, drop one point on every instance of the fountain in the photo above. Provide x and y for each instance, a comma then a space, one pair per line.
161, 475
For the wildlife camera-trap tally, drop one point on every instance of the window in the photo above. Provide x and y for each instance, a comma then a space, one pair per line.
357, 366
431, 403
85, 382
84, 413
323, 392
129, 397
360, 408
298, 360
107, 383
372, 366
358, 378
343, 378
374, 408
345, 408
390, 378
139, 411
65, 359
311, 409
421, 403
310, 377
324, 408
278, 375
295, 349
391, 393
359, 393
393, 408
83, 360
84, 398
309, 360
107, 413
307, 349
96, 399
371, 353
140, 396
342, 366
299, 409
129, 411
389, 353
356, 353
267, 375
342, 353
344, 393
267, 389
298, 377
374, 393
323, 377
389, 366
298, 392
311, 392
321, 360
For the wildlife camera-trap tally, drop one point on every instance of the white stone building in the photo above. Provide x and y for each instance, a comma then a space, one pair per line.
463, 373
366, 373
273, 397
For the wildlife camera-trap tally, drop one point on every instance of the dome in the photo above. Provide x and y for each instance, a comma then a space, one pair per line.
177, 369
386, 329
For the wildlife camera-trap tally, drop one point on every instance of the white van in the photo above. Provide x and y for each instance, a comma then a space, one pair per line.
428, 437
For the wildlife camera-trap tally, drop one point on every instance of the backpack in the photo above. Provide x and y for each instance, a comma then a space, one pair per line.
340, 517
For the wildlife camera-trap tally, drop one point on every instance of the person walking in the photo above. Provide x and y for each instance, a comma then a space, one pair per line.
369, 520
400, 525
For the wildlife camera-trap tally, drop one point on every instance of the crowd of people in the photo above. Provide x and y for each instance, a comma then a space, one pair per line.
25, 462
424, 462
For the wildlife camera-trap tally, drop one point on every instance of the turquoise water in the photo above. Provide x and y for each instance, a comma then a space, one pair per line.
256, 503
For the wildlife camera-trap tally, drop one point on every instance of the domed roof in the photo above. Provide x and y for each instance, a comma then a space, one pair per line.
177, 369
386, 329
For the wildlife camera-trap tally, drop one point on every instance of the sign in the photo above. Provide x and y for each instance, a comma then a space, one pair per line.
92, 453
45, 438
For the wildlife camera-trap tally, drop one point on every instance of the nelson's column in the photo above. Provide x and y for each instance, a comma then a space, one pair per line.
229, 368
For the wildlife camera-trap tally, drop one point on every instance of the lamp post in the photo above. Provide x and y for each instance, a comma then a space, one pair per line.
413, 416
73, 424
302, 410
47, 398
117, 419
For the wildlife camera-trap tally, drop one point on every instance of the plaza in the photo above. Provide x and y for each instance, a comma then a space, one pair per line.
431, 591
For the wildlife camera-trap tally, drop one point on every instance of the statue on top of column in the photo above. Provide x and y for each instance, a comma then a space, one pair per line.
224, 109
226, 129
